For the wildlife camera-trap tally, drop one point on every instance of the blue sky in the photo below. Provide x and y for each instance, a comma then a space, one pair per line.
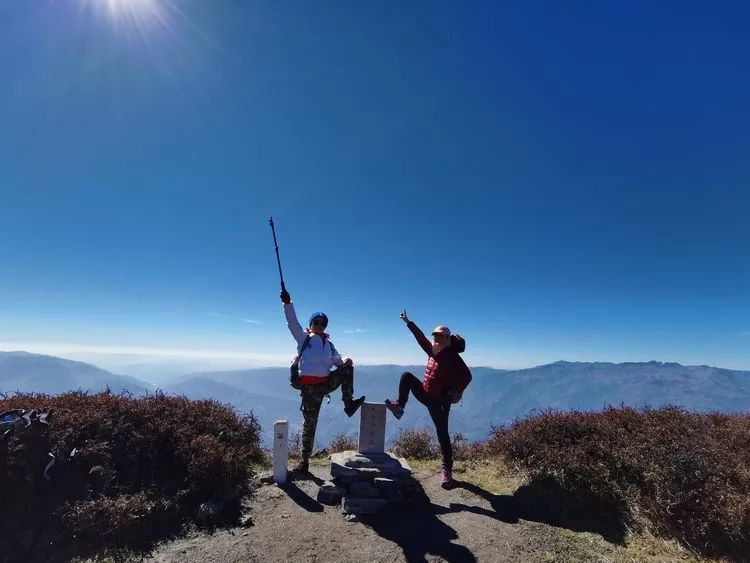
553, 180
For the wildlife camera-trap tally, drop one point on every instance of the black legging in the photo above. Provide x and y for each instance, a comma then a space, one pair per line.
439, 410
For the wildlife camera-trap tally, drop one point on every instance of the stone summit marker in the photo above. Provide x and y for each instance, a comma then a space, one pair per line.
372, 428
368, 480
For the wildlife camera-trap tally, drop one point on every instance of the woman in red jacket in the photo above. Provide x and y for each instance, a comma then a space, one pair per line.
445, 378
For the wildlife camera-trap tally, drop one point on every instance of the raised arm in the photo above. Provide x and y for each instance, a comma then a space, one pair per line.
295, 328
418, 334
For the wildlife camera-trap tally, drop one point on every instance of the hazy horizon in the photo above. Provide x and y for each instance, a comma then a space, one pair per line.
139, 364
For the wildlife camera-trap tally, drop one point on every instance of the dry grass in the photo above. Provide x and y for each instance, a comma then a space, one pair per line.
558, 544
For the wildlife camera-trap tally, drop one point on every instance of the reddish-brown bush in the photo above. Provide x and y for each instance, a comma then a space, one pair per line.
465, 450
142, 467
342, 443
416, 444
422, 443
686, 475
295, 445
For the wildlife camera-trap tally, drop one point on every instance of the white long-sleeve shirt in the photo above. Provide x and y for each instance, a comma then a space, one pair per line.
318, 357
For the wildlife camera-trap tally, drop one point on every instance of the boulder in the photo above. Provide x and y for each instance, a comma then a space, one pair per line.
329, 493
361, 505
385, 483
363, 489
393, 496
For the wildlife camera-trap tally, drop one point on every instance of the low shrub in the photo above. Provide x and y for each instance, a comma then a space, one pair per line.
416, 444
465, 450
295, 445
343, 442
684, 475
127, 472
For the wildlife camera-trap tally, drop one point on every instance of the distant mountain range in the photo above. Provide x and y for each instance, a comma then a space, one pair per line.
21, 371
495, 397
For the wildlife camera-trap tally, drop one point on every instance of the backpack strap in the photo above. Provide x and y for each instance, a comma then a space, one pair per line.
305, 344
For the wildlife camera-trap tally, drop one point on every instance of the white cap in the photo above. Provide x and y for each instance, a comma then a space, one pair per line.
442, 329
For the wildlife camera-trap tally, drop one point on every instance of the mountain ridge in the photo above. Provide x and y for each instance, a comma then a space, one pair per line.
496, 397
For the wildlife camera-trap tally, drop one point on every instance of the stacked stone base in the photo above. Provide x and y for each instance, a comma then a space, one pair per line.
366, 483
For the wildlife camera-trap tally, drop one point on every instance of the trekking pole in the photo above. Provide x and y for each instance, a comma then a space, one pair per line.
276, 246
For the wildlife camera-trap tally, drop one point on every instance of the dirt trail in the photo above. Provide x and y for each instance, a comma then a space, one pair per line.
464, 524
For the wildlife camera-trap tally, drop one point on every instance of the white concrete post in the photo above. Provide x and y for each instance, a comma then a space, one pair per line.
280, 450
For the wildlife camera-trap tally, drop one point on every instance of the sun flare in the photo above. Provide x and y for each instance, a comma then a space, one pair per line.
138, 13
129, 5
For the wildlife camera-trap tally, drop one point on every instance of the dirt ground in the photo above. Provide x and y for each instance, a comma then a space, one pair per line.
468, 523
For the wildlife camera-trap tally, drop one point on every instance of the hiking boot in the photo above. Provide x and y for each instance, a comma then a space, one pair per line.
351, 406
302, 467
395, 408
446, 479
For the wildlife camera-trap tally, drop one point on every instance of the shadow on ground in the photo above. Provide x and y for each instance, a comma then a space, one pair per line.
420, 533
545, 502
300, 497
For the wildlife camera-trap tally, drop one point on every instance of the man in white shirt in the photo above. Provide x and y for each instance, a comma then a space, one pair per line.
316, 355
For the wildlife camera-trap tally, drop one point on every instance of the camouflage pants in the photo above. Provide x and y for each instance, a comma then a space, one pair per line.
312, 399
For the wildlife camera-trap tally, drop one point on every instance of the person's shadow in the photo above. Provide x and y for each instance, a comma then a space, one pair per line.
299, 496
545, 502
419, 532
504, 507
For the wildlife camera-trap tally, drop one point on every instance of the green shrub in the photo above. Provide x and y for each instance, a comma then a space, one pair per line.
684, 475
141, 469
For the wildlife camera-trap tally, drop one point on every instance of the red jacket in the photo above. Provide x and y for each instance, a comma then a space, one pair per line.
445, 369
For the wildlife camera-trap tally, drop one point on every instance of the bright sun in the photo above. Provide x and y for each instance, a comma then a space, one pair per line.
137, 12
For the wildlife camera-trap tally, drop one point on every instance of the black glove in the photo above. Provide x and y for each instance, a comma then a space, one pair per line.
285, 297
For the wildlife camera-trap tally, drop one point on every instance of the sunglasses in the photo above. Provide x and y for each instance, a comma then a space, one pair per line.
318, 322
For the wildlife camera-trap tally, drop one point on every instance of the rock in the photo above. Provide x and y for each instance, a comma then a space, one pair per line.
246, 521
369, 473
351, 518
349, 475
396, 471
266, 477
385, 462
330, 493
360, 505
378, 461
385, 483
404, 464
407, 482
369, 481
363, 489
393, 496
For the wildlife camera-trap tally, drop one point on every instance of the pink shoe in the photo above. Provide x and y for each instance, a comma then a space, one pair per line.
395, 408
446, 480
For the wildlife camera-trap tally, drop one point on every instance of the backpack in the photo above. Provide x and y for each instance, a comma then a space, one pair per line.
461, 377
294, 379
